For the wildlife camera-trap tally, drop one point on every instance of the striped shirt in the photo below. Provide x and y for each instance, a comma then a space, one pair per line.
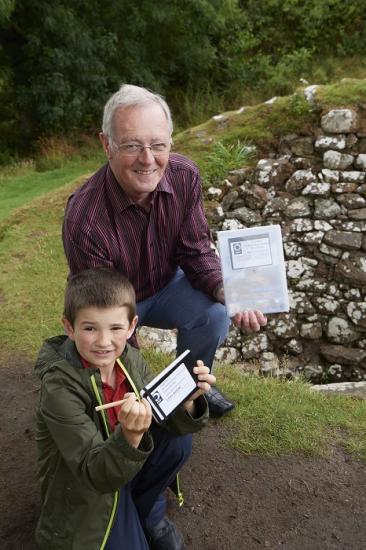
103, 227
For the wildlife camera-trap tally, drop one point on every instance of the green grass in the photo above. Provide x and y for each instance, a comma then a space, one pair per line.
348, 92
19, 187
276, 417
224, 158
33, 273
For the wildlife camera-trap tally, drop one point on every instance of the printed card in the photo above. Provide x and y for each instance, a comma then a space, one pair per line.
174, 385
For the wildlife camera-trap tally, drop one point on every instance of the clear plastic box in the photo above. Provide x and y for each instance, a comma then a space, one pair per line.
253, 269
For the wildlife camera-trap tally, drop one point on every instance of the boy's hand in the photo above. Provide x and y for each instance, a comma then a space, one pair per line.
135, 418
205, 381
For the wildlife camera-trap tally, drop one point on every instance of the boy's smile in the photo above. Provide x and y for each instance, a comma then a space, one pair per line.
100, 334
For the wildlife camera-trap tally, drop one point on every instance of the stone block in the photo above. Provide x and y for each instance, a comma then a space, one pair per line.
343, 239
342, 354
340, 121
351, 201
341, 331
337, 161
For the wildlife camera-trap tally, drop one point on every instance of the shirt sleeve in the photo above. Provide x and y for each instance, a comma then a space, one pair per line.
194, 252
84, 250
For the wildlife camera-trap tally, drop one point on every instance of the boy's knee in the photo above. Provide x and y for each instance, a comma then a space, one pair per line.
180, 450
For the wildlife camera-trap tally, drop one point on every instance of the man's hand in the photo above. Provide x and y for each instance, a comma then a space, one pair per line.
135, 418
250, 321
204, 383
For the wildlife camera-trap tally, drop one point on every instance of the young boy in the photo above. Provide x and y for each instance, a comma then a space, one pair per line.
103, 473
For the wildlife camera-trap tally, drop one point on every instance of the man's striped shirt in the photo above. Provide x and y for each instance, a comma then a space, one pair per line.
103, 227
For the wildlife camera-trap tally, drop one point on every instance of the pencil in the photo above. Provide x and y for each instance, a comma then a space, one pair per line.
112, 404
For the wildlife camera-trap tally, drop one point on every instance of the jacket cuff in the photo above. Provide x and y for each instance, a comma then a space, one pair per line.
201, 409
144, 449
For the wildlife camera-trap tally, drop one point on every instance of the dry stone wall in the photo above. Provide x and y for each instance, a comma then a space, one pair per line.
314, 186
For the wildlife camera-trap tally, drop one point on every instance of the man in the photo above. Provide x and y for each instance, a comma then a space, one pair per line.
142, 214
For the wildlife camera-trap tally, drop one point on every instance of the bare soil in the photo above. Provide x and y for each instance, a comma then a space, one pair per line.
232, 501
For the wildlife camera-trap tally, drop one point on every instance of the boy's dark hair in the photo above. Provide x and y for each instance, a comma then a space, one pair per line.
101, 288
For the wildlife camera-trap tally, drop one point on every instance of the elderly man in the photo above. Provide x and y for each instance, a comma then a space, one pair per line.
142, 214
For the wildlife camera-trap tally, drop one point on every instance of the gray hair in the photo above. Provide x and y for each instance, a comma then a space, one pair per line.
129, 96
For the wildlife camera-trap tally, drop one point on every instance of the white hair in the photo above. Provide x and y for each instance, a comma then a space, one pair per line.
129, 96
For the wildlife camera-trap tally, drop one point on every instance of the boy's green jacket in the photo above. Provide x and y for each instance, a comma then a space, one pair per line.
81, 467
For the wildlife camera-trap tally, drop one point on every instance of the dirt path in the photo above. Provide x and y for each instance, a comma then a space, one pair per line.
232, 501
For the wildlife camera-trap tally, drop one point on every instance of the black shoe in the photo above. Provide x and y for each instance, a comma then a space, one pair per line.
218, 404
165, 536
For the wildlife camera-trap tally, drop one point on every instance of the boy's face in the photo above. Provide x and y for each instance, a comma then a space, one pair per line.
100, 334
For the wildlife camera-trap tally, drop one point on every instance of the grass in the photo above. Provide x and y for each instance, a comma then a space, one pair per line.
224, 158
348, 92
275, 417
20, 185
33, 272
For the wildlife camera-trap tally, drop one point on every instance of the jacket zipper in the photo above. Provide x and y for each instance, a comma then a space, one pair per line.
116, 494
105, 424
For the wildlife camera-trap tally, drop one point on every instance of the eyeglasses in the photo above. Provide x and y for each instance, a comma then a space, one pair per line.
135, 149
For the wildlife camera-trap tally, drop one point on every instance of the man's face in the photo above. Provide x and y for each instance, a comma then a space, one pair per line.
138, 175
100, 334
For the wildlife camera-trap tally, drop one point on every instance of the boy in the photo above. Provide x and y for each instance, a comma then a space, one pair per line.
102, 473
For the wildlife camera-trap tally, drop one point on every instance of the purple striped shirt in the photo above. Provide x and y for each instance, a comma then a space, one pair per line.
103, 227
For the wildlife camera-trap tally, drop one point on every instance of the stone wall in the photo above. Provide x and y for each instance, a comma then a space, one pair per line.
314, 186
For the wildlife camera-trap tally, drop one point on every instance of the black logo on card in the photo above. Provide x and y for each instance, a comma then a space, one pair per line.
156, 397
237, 248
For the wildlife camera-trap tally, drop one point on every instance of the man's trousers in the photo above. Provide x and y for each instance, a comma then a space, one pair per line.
202, 323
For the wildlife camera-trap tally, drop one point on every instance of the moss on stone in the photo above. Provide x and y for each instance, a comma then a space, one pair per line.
264, 124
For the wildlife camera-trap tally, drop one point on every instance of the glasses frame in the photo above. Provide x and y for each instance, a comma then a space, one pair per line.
124, 152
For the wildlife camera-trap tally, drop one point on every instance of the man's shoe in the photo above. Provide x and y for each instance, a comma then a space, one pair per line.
165, 536
218, 404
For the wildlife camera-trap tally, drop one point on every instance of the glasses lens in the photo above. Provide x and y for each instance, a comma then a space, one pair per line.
159, 148
134, 149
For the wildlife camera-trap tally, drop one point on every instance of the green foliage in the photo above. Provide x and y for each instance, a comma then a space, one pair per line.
225, 157
60, 60
60, 66
6, 8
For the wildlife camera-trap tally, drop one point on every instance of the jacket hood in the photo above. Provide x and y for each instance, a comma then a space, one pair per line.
58, 352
